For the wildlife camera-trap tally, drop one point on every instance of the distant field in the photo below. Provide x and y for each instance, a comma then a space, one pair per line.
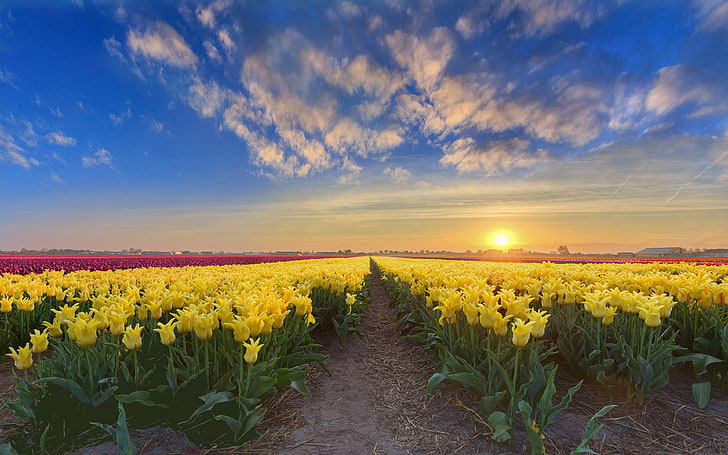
22, 264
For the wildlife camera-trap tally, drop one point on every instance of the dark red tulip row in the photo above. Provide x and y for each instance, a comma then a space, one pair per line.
595, 259
23, 264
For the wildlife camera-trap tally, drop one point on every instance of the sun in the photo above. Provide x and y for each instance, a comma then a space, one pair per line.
501, 240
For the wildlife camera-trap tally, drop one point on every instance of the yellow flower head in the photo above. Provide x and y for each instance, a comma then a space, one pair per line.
132, 338
66, 313
39, 340
6, 305
241, 331
609, 315
251, 350
54, 328
350, 299
204, 325
166, 332
23, 357
521, 332
84, 332
117, 322
500, 324
540, 318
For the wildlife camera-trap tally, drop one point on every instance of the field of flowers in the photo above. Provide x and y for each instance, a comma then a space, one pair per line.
22, 264
197, 349
496, 329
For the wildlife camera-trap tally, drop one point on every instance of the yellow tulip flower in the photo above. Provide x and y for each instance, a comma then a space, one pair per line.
54, 328
540, 318
39, 340
6, 305
350, 299
241, 331
251, 350
310, 319
83, 332
23, 357
166, 332
609, 315
500, 324
66, 313
132, 338
117, 322
204, 325
521, 332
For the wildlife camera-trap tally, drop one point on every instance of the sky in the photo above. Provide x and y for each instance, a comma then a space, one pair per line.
401, 125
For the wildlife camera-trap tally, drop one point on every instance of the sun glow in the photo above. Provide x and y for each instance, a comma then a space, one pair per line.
501, 239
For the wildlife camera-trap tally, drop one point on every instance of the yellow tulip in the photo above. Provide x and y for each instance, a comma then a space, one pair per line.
609, 315
39, 340
204, 325
350, 299
117, 322
132, 338
83, 332
310, 319
251, 350
6, 305
521, 332
54, 328
66, 313
23, 357
500, 324
166, 332
241, 331
540, 318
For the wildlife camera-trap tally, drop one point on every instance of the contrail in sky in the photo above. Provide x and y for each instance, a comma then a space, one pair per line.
619, 187
696, 177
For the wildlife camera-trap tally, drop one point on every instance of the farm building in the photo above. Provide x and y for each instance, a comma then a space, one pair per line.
661, 252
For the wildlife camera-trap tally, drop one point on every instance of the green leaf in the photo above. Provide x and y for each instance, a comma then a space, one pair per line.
534, 438
592, 427
702, 361
300, 386
488, 404
209, 402
71, 386
139, 397
501, 428
434, 381
701, 393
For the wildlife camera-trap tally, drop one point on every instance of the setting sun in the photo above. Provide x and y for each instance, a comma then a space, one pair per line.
501, 240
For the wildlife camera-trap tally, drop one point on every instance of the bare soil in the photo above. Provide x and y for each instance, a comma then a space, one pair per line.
374, 403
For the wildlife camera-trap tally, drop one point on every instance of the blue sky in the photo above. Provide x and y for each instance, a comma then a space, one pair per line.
324, 125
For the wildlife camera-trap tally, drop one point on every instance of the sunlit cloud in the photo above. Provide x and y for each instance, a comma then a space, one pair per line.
676, 86
102, 157
159, 41
59, 138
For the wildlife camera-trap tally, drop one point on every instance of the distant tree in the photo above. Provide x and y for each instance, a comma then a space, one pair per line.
562, 249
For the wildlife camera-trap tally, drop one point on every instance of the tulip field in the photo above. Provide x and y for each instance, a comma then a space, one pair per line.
496, 329
195, 348
200, 348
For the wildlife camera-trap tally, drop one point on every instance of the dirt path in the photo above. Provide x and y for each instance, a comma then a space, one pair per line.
374, 401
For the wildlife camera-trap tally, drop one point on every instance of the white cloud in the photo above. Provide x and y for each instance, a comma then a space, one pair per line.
207, 16
543, 16
161, 42
120, 14
470, 27
8, 78
56, 178
676, 86
20, 160
206, 98
119, 120
113, 47
424, 57
212, 51
59, 138
101, 157
399, 175
227, 42
492, 157
712, 14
